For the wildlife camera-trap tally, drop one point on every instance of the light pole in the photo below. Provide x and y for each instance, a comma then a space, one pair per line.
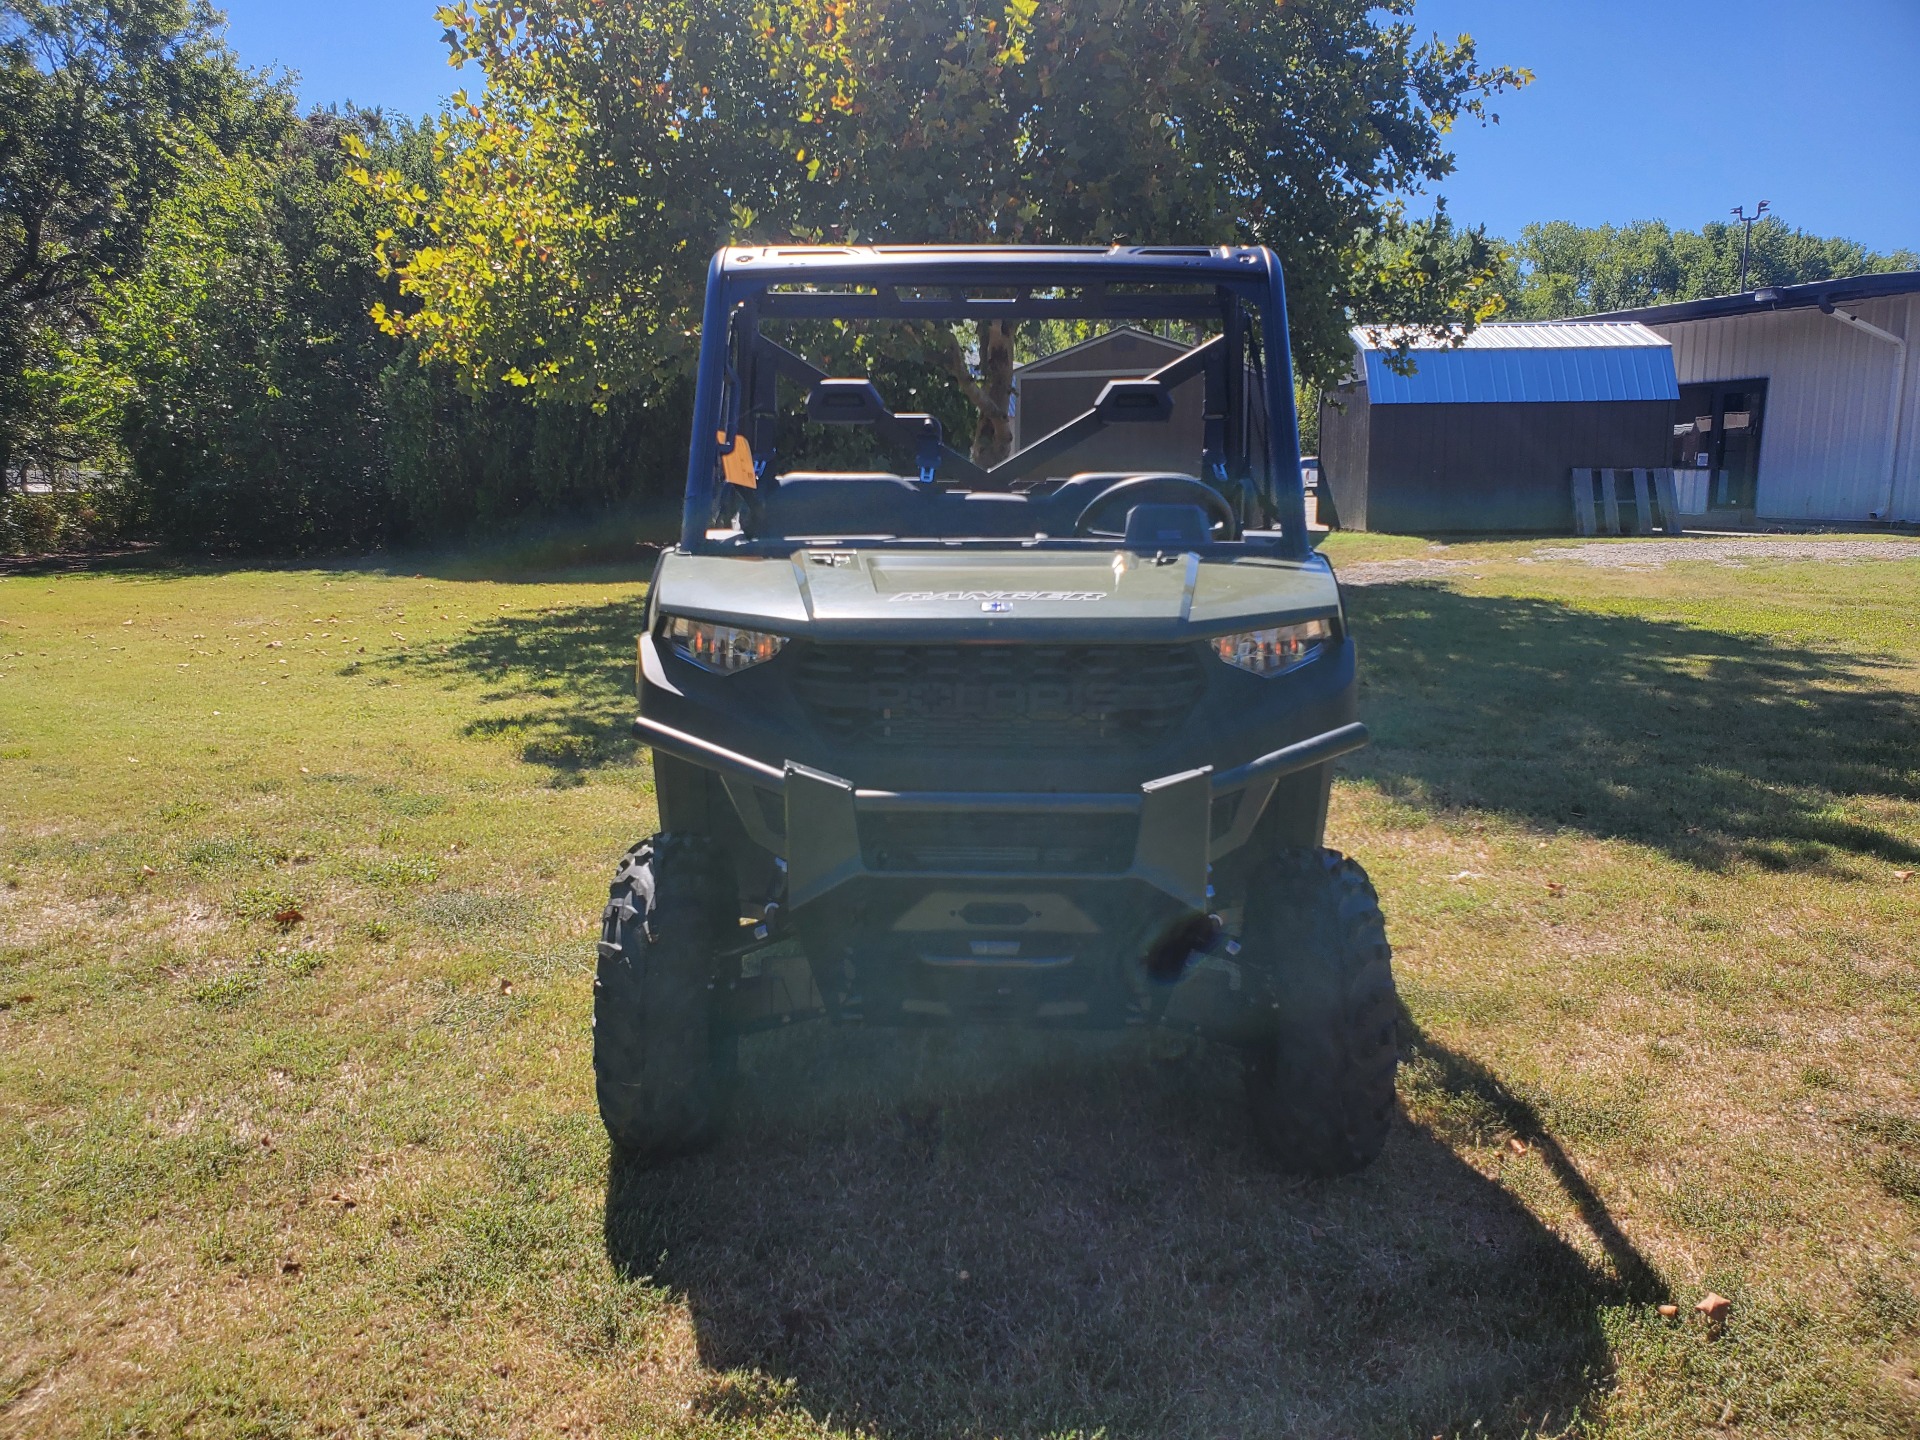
1746, 241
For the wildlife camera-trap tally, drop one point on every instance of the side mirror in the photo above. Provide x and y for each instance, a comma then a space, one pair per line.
845, 402
1130, 401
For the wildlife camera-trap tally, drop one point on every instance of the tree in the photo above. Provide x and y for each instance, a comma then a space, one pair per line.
239, 359
562, 249
615, 145
1145, 121
99, 100
1559, 269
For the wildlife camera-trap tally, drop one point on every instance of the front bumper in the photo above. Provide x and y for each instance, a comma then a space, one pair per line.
1180, 822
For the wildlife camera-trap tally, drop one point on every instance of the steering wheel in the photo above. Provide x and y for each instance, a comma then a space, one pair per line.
1157, 490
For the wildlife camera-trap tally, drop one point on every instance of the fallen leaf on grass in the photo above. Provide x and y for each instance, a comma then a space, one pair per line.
288, 916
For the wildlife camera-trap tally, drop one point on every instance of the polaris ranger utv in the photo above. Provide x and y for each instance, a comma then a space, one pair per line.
1044, 742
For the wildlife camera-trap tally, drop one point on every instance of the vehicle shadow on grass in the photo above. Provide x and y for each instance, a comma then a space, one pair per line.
1713, 747
1019, 1241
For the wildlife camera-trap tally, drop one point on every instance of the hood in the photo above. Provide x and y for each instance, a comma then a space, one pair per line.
1031, 596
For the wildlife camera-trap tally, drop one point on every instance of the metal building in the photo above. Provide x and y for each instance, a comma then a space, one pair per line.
1485, 431
1049, 392
1798, 402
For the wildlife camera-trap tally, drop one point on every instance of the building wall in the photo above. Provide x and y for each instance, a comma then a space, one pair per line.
1046, 402
1830, 409
1343, 454
1498, 467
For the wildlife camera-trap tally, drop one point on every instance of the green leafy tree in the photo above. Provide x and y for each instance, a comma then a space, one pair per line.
616, 145
101, 102
1558, 269
1146, 121
240, 358
562, 247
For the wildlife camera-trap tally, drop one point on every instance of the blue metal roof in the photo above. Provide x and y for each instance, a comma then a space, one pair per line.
1506, 375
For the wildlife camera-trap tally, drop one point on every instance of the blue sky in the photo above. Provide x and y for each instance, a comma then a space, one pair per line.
1666, 109
1679, 110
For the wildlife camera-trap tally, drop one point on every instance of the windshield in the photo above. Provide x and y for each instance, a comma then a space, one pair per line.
887, 413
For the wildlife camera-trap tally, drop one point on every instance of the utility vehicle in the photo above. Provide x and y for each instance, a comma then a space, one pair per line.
1043, 741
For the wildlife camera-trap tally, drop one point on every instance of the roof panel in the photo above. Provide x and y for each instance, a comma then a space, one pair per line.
1106, 339
1500, 374
1516, 335
1780, 297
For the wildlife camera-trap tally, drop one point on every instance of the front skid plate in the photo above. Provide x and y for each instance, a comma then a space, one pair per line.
1082, 952
1218, 998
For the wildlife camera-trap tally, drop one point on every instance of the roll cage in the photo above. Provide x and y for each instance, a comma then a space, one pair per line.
1238, 291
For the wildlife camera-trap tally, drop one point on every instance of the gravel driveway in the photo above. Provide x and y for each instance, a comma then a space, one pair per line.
1642, 555
1727, 550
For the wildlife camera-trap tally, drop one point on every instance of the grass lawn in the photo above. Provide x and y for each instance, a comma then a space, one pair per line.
300, 871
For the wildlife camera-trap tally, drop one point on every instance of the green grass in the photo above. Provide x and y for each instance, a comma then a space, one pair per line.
1638, 834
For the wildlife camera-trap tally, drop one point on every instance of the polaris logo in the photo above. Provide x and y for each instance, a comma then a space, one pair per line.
994, 597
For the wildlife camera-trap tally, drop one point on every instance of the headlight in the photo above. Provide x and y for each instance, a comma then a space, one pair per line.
724, 649
1268, 652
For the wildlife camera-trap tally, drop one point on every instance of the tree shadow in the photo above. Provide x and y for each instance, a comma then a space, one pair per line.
1018, 1241
1713, 747
557, 681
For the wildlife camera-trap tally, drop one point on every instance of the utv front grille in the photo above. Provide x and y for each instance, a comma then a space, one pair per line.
1014, 697
999, 843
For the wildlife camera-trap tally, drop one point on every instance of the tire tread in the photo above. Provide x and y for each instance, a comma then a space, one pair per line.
662, 1063
1321, 1086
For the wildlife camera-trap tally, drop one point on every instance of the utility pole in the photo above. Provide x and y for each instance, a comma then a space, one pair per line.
1746, 242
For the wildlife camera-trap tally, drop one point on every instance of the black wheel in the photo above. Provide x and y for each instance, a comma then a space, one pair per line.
1320, 1082
662, 1061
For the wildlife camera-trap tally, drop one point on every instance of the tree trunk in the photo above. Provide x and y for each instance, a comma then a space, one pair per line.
993, 437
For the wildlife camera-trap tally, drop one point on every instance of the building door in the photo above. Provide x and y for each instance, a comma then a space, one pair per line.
1716, 436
